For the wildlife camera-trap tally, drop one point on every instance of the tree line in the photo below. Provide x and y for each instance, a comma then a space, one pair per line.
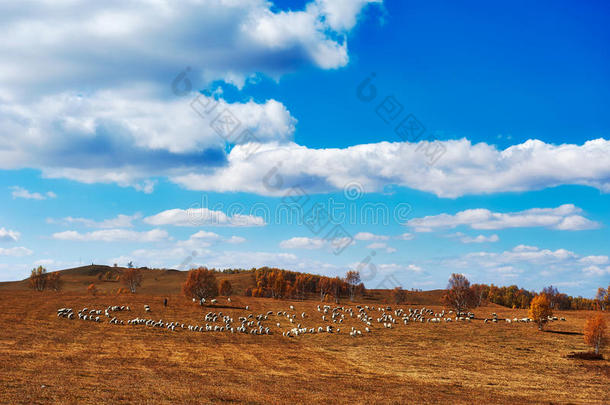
515, 297
278, 283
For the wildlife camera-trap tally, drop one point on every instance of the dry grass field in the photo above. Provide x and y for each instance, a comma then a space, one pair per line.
46, 359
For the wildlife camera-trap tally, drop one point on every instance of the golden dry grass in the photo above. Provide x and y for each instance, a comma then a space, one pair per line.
82, 362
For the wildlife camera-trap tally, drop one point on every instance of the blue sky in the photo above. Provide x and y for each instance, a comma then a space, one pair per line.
109, 154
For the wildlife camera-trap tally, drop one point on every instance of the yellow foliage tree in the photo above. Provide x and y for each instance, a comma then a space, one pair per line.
540, 310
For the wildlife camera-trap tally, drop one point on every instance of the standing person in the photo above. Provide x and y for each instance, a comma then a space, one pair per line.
165, 302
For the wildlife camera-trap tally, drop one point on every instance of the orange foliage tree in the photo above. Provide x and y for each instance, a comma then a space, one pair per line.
595, 332
459, 295
226, 288
540, 310
92, 289
132, 278
200, 283
38, 278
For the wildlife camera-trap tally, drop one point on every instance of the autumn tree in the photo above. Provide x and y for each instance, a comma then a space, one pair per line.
352, 278
225, 288
595, 332
398, 295
459, 295
132, 278
54, 281
200, 283
540, 310
38, 278
92, 289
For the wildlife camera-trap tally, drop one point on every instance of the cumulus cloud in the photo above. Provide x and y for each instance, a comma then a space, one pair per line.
120, 221
153, 40
127, 136
236, 240
463, 169
7, 235
205, 239
20, 192
114, 235
15, 251
370, 236
303, 243
534, 260
565, 217
126, 119
202, 216
316, 243
381, 245
406, 236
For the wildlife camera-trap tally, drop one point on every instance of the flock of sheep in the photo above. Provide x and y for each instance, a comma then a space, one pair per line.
332, 317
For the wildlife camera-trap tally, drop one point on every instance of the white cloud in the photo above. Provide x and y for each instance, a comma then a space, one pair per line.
381, 245
20, 192
406, 236
153, 40
114, 235
536, 261
15, 251
370, 236
596, 270
7, 235
598, 260
235, 239
126, 136
341, 15
474, 239
202, 216
303, 243
377, 245
126, 119
464, 168
317, 243
564, 217
120, 221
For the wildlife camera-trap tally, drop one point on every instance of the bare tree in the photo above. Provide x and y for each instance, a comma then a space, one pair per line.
352, 278
459, 295
132, 278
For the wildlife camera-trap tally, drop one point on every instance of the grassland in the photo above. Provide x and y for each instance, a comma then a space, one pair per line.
45, 359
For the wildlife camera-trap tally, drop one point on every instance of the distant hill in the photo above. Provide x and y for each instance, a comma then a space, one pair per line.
169, 282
